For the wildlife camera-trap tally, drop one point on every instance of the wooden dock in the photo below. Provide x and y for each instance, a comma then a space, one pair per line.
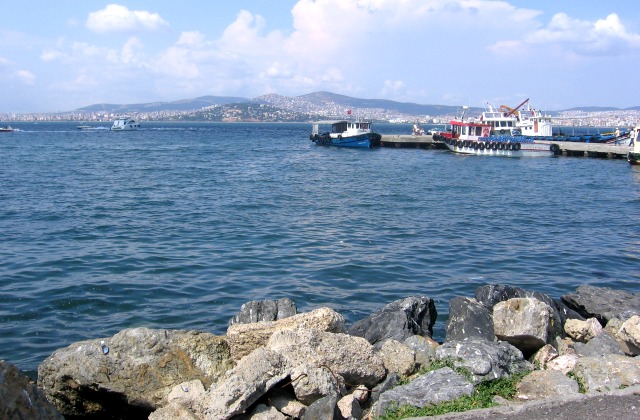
567, 148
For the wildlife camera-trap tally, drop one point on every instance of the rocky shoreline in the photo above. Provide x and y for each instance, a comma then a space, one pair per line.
275, 363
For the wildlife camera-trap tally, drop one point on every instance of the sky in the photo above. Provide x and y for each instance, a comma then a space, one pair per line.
66, 54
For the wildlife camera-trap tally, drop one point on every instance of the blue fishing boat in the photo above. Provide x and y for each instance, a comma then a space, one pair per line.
343, 133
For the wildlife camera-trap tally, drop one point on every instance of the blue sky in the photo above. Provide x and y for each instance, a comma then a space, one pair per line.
63, 55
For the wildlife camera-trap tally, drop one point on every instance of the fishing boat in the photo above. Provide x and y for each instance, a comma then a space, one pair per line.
125, 124
343, 133
473, 137
527, 122
6, 129
633, 156
83, 126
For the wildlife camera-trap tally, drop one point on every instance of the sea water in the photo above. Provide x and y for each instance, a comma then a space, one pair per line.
177, 225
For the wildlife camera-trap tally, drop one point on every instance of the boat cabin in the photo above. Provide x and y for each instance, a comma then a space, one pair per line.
341, 128
469, 130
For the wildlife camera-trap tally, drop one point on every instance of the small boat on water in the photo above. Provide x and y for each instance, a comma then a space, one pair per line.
633, 156
125, 124
473, 137
6, 129
83, 126
344, 133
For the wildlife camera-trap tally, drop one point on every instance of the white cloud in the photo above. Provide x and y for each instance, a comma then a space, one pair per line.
604, 37
26, 77
192, 39
117, 18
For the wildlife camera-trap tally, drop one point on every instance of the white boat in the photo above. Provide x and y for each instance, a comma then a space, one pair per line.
343, 133
125, 124
474, 137
527, 122
6, 129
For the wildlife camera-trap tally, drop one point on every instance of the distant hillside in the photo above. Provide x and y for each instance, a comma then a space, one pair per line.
592, 109
182, 105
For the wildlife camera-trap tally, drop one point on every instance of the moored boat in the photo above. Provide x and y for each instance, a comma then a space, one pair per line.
343, 133
125, 124
474, 137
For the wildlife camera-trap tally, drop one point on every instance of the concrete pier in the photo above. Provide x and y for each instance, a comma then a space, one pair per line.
567, 148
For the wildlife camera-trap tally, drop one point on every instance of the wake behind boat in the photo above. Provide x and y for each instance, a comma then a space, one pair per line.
343, 133
474, 137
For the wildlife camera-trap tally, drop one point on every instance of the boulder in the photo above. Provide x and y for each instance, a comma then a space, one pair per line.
526, 323
544, 356
173, 411
351, 357
607, 373
264, 310
286, 403
20, 398
324, 408
627, 343
431, 388
542, 384
598, 346
469, 319
243, 385
349, 407
388, 383
397, 357
603, 303
136, 367
312, 383
398, 320
582, 331
265, 412
424, 348
244, 338
486, 360
630, 331
187, 394
564, 363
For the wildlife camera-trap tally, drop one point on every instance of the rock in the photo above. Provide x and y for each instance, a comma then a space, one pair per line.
187, 394
388, 383
526, 323
398, 320
264, 412
253, 377
582, 331
546, 384
431, 388
603, 303
351, 357
20, 398
607, 373
630, 331
469, 319
599, 346
139, 369
324, 408
244, 338
264, 310
349, 408
564, 363
397, 357
312, 383
424, 348
614, 327
173, 411
286, 403
486, 360
544, 356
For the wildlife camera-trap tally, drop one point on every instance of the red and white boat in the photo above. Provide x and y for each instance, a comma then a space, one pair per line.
473, 137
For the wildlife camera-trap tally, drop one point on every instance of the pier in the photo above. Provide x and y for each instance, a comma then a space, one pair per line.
567, 148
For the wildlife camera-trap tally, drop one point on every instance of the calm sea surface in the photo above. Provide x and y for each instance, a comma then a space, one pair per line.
177, 225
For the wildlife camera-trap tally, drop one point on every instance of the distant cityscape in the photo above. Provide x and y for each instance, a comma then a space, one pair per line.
306, 108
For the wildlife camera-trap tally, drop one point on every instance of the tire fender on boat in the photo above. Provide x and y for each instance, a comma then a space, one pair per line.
480, 145
339, 136
555, 148
516, 146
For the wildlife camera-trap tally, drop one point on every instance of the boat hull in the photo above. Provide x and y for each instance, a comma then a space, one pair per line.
494, 148
361, 141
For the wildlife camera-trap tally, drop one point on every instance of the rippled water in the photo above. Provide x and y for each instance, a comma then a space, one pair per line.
177, 225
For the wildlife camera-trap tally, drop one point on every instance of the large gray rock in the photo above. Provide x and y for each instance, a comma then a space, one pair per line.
526, 323
431, 388
603, 303
398, 320
351, 357
602, 344
131, 373
486, 360
397, 357
607, 373
20, 398
469, 320
546, 384
324, 408
253, 377
424, 348
264, 310
245, 338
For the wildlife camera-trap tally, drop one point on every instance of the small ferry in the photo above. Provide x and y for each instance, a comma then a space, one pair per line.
125, 124
474, 137
343, 133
